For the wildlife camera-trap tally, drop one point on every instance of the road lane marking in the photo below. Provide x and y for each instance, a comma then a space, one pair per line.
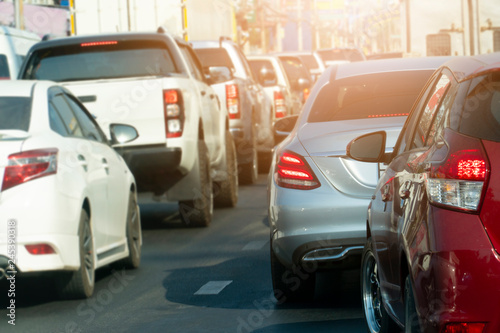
255, 245
213, 287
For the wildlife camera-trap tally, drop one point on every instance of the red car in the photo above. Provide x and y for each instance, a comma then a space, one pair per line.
431, 262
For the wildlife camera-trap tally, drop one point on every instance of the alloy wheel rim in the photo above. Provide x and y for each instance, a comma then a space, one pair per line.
371, 296
88, 258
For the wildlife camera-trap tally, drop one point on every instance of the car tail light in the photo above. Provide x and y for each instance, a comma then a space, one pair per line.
38, 249
463, 328
279, 104
233, 101
306, 94
29, 165
292, 171
458, 180
174, 113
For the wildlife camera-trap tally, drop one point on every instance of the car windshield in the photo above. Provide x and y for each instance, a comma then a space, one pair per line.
100, 60
482, 105
214, 57
368, 96
15, 113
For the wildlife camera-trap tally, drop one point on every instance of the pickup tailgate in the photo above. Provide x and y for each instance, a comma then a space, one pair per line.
137, 102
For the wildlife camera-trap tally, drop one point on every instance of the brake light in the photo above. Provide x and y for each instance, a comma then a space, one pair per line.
306, 94
233, 101
463, 328
388, 115
29, 165
108, 42
174, 113
279, 105
459, 180
292, 171
38, 249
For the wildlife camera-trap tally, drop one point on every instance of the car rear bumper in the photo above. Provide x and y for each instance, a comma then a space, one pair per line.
457, 280
321, 226
154, 167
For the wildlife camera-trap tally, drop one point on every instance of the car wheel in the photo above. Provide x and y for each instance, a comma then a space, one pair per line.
288, 286
411, 318
227, 194
80, 283
249, 172
198, 212
377, 318
134, 235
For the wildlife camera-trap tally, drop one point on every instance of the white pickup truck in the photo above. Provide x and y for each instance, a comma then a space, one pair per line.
154, 82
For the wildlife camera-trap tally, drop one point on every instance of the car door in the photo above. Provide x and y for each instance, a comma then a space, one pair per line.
79, 155
401, 186
114, 181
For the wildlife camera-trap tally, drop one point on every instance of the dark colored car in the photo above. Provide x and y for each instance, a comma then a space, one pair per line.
431, 262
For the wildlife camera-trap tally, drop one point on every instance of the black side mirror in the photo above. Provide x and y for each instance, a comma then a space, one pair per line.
283, 127
121, 133
368, 148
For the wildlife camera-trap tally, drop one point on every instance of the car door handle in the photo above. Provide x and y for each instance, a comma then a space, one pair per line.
203, 93
212, 96
83, 162
105, 164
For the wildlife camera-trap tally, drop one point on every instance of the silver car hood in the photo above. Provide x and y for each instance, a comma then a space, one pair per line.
326, 144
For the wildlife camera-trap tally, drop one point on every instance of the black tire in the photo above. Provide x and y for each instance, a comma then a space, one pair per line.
411, 318
288, 286
249, 172
377, 319
198, 212
134, 236
265, 162
227, 190
80, 284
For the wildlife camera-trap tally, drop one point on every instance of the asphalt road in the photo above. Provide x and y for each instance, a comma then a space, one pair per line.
214, 279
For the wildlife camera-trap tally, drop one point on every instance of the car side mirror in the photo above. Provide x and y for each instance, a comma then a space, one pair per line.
121, 133
218, 74
368, 148
283, 127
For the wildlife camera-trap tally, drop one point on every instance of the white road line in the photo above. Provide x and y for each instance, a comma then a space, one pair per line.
255, 245
213, 287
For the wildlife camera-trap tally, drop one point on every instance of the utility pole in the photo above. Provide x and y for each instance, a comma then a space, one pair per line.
299, 25
471, 26
408, 26
263, 45
19, 14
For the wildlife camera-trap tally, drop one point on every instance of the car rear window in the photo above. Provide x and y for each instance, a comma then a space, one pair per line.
257, 65
4, 68
309, 61
294, 68
15, 113
368, 96
101, 60
214, 57
480, 108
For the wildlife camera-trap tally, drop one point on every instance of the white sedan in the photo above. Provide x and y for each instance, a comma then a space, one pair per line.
67, 198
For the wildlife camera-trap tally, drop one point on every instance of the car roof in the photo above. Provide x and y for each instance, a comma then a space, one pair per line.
466, 67
21, 88
386, 65
124, 36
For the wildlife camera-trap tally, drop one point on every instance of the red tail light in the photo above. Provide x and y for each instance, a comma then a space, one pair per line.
306, 94
463, 328
292, 171
29, 165
174, 113
279, 105
233, 101
458, 180
38, 249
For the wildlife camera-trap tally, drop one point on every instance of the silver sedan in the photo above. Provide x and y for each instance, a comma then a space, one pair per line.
317, 196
